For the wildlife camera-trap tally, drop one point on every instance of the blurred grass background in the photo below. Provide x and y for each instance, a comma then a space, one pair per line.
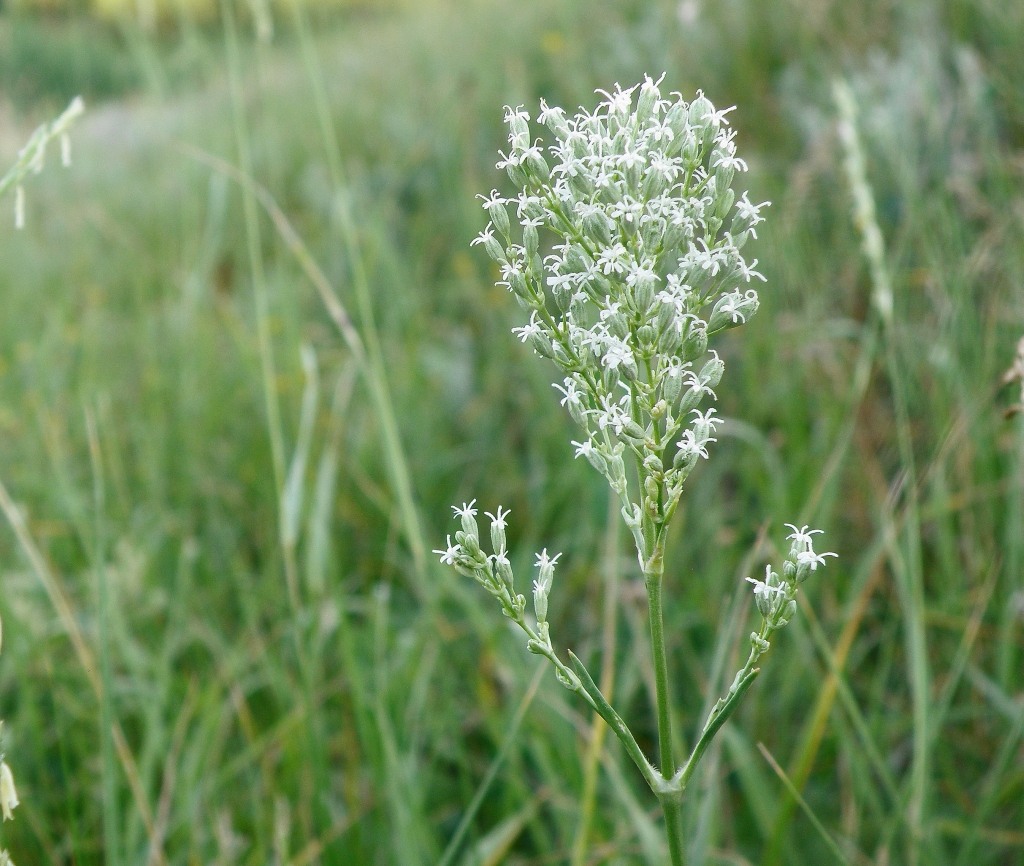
228, 505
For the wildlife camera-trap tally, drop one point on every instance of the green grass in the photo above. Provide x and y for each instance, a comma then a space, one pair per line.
293, 681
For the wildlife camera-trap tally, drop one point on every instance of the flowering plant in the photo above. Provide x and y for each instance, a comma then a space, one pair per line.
645, 267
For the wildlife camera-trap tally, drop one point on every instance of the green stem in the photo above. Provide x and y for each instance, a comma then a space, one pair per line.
654, 607
592, 694
674, 830
670, 800
722, 710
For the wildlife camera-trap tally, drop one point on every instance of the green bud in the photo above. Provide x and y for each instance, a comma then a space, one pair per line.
711, 374
695, 343
541, 344
517, 284
653, 465
643, 293
537, 165
724, 202
517, 175
649, 96
672, 383
677, 235
581, 186
618, 325
554, 119
499, 216
531, 241
647, 339
597, 460
610, 377
677, 120
598, 228
495, 250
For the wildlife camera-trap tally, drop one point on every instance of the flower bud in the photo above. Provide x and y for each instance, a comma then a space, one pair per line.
786, 613
470, 545
594, 457
499, 216
498, 542
531, 208
678, 234
563, 297
616, 473
531, 241
723, 202
689, 149
554, 119
503, 571
648, 100
654, 184
672, 382
577, 260
610, 377
667, 315
517, 174
617, 324
643, 291
711, 373
633, 432
581, 186
695, 343
537, 165
677, 121
518, 123
732, 310
517, 285
541, 343
692, 396
647, 340
598, 228
653, 466
495, 250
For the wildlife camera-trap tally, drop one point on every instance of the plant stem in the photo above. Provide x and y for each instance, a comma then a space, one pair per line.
674, 830
654, 606
670, 804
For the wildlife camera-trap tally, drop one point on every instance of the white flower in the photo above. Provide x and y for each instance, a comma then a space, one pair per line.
8, 794
762, 589
466, 510
544, 561
450, 554
688, 445
802, 536
529, 329
617, 353
809, 557
583, 449
499, 518
517, 113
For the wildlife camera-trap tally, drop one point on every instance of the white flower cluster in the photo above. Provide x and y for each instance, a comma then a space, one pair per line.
494, 573
644, 266
775, 598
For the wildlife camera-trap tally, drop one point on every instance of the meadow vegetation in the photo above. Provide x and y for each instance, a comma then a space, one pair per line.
248, 359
